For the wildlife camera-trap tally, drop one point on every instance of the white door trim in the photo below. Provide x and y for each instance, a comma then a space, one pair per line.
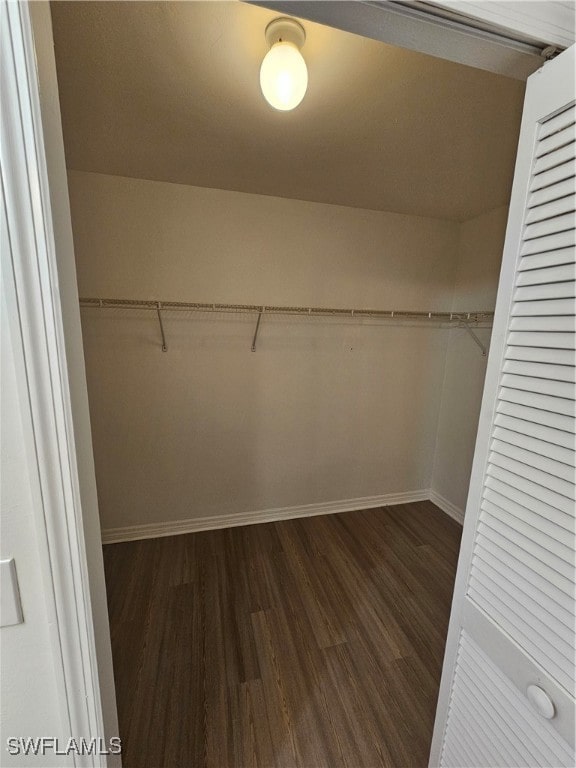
465, 32
547, 20
58, 509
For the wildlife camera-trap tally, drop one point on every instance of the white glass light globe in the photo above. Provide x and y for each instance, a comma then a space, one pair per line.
283, 76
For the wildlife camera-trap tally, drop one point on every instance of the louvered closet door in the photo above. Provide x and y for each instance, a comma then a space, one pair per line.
507, 694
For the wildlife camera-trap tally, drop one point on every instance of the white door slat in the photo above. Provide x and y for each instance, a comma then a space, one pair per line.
547, 275
535, 292
562, 586
549, 552
542, 355
476, 753
532, 526
559, 538
535, 459
453, 757
554, 420
532, 488
557, 123
545, 307
543, 339
549, 226
556, 157
556, 140
543, 402
473, 749
544, 479
526, 579
547, 259
544, 324
527, 604
555, 452
560, 389
553, 176
553, 192
505, 749
565, 239
536, 512
540, 431
552, 208
540, 370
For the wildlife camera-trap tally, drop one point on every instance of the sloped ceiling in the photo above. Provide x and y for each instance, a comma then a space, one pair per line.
169, 91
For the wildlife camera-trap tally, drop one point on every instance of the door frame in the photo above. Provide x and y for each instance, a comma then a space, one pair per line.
35, 183
508, 38
46, 318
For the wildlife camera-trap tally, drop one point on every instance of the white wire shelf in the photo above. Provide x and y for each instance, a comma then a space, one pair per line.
450, 319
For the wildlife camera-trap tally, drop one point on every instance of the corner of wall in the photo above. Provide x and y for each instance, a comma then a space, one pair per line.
480, 244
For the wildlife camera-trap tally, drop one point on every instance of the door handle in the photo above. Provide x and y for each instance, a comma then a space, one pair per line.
541, 702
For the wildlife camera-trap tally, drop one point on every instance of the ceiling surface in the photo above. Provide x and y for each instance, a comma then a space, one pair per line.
170, 91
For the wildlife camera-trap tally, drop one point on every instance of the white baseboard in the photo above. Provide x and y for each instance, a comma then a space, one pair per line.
446, 506
175, 527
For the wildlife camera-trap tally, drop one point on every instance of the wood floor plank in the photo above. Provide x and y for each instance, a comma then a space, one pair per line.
308, 693
258, 748
311, 643
315, 591
361, 717
281, 718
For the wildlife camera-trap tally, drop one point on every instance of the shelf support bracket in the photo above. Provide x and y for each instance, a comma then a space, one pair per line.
256, 330
465, 325
159, 312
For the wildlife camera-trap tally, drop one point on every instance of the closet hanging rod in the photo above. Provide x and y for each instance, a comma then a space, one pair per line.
262, 309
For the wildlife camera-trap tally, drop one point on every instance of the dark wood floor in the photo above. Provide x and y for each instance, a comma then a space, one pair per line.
313, 642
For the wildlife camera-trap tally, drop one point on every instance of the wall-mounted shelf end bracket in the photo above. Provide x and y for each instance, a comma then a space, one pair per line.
255, 339
159, 311
466, 325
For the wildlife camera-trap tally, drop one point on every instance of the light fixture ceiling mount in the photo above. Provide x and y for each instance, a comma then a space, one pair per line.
283, 74
285, 30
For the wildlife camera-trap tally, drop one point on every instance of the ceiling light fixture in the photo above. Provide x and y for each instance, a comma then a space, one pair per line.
283, 74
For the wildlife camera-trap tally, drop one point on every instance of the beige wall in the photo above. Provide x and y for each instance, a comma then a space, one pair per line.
150, 239
323, 411
480, 254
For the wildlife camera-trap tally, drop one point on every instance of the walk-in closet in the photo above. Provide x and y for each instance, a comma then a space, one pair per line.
286, 317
